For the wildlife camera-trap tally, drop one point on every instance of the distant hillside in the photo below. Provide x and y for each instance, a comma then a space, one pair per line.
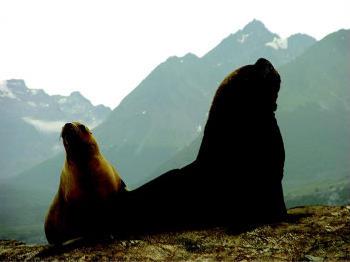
315, 118
31, 121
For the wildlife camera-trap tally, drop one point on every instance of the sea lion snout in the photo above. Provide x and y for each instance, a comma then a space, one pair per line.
74, 128
68, 133
68, 126
76, 136
267, 71
68, 129
270, 79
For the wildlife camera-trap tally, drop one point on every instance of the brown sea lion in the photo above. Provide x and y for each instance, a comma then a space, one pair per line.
87, 181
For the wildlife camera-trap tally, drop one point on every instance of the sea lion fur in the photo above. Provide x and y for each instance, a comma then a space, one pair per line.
87, 181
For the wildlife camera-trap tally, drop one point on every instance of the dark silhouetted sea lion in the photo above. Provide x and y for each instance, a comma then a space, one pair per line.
87, 181
242, 147
236, 177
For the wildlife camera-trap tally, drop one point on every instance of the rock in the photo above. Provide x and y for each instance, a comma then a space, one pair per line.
317, 233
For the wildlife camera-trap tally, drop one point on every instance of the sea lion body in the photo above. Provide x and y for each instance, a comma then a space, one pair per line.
242, 148
87, 181
236, 177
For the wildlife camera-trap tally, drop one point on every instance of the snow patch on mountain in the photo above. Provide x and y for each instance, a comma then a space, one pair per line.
62, 100
5, 91
278, 43
34, 91
242, 38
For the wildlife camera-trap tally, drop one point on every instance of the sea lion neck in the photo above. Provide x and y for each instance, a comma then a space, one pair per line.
81, 156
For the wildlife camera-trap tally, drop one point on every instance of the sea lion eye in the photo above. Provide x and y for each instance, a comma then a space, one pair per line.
84, 129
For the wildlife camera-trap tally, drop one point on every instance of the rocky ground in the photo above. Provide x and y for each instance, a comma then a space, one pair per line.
316, 233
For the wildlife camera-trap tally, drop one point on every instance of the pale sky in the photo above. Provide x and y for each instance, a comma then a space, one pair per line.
105, 48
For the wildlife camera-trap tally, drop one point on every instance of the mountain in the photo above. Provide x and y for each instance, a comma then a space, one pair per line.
314, 117
31, 121
168, 110
254, 41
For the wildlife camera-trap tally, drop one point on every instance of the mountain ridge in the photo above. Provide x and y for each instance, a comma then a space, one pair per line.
173, 87
300, 107
32, 120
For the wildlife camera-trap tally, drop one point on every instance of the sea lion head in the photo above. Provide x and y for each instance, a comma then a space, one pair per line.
252, 89
269, 81
78, 141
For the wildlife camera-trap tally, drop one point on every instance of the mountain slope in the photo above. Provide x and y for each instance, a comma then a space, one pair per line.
254, 41
31, 121
314, 117
168, 110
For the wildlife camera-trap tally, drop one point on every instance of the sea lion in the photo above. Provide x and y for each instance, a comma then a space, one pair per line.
242, 148
87, 181
236, 177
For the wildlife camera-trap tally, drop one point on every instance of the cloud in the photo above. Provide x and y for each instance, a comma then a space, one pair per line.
45, 126
278, 43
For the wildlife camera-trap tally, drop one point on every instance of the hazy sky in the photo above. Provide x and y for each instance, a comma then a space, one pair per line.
105, 48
